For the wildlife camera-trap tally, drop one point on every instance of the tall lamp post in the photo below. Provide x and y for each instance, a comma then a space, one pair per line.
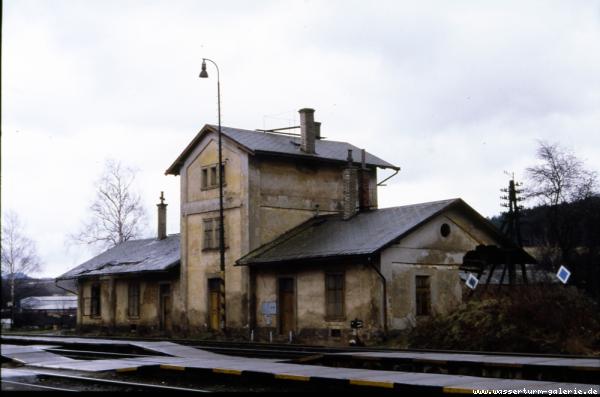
204, 74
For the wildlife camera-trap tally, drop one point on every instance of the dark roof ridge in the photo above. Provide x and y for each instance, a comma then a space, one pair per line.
415, 204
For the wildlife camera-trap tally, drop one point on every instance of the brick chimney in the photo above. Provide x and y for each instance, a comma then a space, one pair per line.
307, 130
162, 218
364, 188
349, 180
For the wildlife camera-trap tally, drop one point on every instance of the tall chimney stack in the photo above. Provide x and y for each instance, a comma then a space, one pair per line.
307, 130
162, 217
364, 180
349, 180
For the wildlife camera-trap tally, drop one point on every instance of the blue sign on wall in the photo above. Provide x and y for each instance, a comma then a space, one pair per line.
269, 308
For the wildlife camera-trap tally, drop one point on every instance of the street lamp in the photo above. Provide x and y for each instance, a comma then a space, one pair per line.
204, 74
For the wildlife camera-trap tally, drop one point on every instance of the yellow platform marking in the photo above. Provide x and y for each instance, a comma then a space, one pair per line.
373, 383
460, 390
292, 377
128, 369
227, 371
172, 367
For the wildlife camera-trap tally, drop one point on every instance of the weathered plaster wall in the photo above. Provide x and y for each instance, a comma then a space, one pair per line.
200, 264
290, 191
425, 252
264, 197
114, 304
361, 300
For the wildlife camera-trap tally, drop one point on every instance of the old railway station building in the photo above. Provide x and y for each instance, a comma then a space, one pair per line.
307, 249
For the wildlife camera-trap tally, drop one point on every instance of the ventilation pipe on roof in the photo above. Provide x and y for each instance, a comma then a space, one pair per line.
162, 218
317, 130
308, 130
349, 179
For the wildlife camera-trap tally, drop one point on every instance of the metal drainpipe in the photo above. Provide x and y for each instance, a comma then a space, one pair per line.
384, 284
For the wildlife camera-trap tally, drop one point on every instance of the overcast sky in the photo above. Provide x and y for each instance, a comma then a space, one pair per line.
453, 92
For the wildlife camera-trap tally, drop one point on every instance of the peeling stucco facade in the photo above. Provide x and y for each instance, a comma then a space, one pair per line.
264, 196
114, 304
423, 252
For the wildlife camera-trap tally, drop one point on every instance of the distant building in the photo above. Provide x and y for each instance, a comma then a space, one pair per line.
44, 311
50, 304
129, 287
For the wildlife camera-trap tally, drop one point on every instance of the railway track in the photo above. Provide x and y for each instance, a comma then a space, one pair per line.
351, 358
65, 382
293, 348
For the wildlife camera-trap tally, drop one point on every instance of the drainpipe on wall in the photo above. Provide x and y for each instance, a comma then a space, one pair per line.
384, 285
349, 181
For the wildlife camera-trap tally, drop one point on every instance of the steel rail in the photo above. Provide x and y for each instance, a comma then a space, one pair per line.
118, 382
207, 344
35, 385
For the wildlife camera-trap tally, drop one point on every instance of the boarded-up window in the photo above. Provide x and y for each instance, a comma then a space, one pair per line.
133, 299
423, 295
212, 230
95, 301
334, 295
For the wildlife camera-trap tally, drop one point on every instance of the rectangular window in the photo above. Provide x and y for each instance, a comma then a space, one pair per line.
334, 296
95, 301
208, 234
133, 308
210, 176
423, 295
212, 230
204, 181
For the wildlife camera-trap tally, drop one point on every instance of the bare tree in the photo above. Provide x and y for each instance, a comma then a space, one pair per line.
116, 214
19, 254
559, 179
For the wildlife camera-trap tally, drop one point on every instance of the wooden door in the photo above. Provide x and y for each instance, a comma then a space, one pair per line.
287, 303
214, 302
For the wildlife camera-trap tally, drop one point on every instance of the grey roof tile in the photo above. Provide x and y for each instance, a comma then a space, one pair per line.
329, 235
269, 143
284, 144
146, 255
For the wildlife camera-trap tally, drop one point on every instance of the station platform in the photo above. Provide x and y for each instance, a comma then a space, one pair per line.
188, 359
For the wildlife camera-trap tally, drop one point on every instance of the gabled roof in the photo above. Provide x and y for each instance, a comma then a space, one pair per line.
134, 256
366, 233
266, 143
